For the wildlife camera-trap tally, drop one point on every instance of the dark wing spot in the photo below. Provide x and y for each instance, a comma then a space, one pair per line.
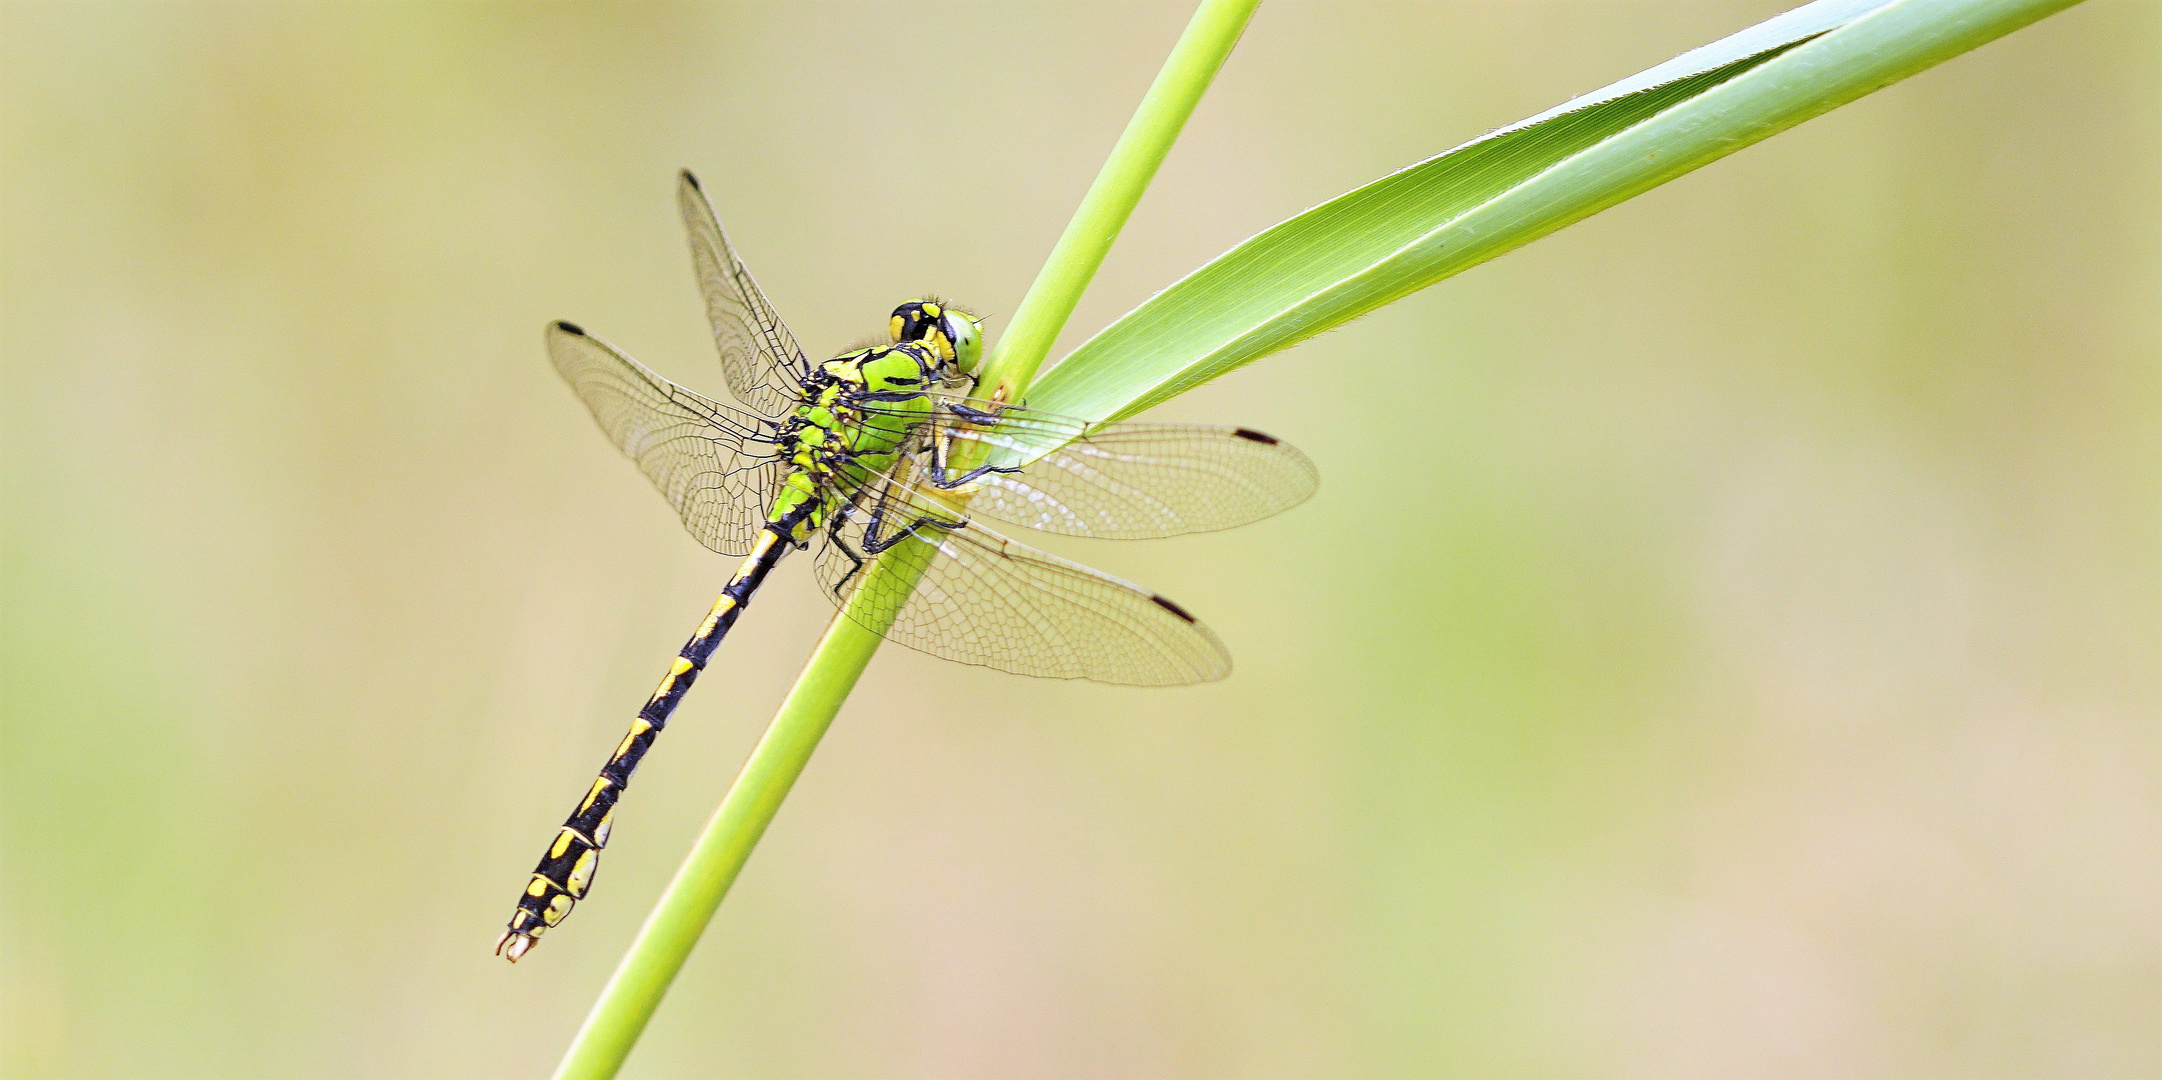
692, 179
1171, 607
571, 328
1256, 436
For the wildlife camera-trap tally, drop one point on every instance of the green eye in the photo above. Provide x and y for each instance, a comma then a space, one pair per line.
966, 333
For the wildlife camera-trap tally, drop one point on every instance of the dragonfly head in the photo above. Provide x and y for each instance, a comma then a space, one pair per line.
956, 335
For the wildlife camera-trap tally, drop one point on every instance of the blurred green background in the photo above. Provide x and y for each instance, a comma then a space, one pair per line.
1741, 660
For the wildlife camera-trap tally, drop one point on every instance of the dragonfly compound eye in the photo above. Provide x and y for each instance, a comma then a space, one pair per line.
964, 332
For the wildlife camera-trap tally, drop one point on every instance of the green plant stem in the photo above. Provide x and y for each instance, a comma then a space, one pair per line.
1050, 301
688, 904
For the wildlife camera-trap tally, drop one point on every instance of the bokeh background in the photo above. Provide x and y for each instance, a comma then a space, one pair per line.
1728, 641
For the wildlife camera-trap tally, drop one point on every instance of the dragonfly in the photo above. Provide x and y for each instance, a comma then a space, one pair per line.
883, 458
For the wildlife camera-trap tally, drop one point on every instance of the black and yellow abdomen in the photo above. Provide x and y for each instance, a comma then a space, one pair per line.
858, 411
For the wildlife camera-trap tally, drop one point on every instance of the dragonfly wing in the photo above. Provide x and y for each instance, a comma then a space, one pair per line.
1119, 480
759, 357
713, 463
980, 598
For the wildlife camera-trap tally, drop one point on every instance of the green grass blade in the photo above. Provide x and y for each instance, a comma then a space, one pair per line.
1411, 229
688, 904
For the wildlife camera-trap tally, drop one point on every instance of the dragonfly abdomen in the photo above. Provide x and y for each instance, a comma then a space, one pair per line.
566, 871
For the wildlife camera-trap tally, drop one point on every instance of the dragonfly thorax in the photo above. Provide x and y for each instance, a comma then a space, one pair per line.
903, 368
856, 412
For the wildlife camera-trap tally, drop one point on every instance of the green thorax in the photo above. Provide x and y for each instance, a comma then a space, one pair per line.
857, 410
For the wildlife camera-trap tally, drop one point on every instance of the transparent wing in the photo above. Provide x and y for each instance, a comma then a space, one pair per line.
980, 598
1117, 480
714, 464
760, 359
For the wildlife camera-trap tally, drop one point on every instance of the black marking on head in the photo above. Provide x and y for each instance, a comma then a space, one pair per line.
1257, 436
571, 328
691, 178
1170, 607
914, 322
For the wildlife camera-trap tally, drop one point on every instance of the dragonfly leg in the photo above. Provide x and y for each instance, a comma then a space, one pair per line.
855, 558
878, 546
938, 478
874, 543
940, 475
